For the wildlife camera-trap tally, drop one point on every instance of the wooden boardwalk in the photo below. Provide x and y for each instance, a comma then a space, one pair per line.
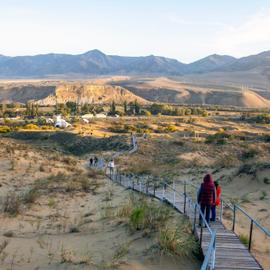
230, 252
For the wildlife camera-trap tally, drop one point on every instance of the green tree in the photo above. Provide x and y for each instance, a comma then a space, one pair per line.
28, 108
72, 106
137, 107
156, 108
63, 109
125, 107
113, 109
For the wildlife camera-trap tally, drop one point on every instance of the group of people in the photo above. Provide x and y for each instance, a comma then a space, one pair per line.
209, 198
93, 161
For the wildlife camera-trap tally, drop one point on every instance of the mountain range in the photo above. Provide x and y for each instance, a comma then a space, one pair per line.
95, 62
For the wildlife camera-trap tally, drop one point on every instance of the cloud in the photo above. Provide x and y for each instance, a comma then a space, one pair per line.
252, 35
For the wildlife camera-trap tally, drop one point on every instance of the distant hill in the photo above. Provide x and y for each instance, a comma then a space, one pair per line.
259, 62
62, 92
209, 63
90, 63
173, 91
95, 63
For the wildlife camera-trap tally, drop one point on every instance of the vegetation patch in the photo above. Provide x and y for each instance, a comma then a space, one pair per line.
5, 129
144, 214
177, 240
73, 143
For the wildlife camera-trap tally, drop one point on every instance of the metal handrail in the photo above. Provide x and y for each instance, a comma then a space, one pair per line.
211, 248
253, 220
233, 208
209, 259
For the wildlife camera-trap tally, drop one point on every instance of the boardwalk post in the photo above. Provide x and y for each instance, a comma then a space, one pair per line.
213, 262
194, 220
163, 192
173, 193
140, 185
234, 216
221, 211
201, 231
250, 235
185, 196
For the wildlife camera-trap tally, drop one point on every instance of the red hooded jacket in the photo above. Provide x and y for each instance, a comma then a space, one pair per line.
207, 194
218, 191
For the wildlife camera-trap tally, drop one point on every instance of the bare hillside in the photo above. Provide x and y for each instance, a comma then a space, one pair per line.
172, 90
47, 93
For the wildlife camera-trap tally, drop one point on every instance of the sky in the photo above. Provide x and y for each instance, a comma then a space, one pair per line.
186, 30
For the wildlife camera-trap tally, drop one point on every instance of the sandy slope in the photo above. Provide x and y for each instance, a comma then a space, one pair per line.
40, 236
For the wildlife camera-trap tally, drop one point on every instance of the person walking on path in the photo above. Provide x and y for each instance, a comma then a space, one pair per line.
217, 201
111, 167
91, 162
206, 196
96, 161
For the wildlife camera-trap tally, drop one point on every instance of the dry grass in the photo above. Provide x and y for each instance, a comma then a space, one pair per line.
12, 204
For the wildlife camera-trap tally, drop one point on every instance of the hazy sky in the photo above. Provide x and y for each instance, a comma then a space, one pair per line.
181, 29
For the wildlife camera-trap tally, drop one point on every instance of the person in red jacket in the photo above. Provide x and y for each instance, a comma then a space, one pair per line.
206, 196
217, 202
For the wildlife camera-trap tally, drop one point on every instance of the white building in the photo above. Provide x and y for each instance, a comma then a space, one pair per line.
61, 123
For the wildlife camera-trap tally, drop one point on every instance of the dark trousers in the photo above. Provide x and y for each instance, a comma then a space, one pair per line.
206, 212
213, 213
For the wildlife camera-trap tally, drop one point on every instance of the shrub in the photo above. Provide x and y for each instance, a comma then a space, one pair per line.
146, 113
247, 169
267, 137
8, 234
85, 184
4, 129
263, 195
30, 196
170, 128
179, 143
31, 127
266, 180
166, 129
204, 113
47, 127
121, 251
143, 214
117, 128
261, 118
137, 216
219, 138
11, 204
74, 229
250, 153
51, 202
175, 240
244, 239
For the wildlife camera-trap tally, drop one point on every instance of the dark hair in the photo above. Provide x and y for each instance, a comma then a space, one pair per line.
216, 183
